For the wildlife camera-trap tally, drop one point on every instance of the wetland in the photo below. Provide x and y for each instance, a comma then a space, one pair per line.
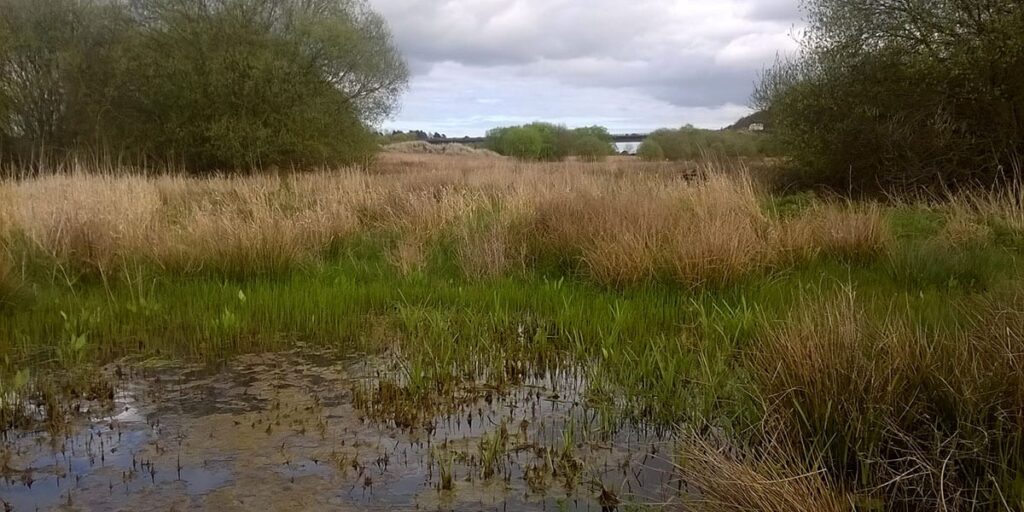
470, 333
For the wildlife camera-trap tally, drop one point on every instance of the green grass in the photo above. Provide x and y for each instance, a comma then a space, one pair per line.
653, 341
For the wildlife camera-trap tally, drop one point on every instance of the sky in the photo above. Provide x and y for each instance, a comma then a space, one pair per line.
630, 65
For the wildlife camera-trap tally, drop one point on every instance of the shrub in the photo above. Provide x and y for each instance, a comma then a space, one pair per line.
592, 149
650, 151
902, 94
690, 143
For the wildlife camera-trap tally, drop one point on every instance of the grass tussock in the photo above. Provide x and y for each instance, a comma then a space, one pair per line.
723, 480
917, 416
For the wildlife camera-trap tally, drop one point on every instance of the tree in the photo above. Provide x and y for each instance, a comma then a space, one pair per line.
593, 143
210, 84
56, 71
902, 94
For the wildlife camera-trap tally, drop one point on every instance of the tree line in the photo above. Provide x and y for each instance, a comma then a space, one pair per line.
201, 84
550, 142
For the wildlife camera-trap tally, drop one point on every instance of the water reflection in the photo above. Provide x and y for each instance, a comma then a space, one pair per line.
282, 431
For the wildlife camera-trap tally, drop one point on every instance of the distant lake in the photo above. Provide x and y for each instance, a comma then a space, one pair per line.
629, 147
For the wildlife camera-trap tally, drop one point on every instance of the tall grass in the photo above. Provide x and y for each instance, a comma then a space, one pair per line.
922, 417
619, 228
709, 231
722, 479
8, 282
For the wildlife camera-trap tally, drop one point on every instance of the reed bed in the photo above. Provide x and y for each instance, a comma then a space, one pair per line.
619, 226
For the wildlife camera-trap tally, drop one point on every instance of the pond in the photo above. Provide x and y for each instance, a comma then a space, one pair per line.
300, 430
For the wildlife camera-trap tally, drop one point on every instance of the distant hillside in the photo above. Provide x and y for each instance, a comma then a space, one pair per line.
760, 116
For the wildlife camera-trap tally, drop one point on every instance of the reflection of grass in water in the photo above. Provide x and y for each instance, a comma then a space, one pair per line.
447, 470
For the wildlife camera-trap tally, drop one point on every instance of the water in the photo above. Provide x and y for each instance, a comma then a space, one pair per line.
281, 431
628, 147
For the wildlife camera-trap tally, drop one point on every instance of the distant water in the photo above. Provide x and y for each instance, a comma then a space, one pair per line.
629, 147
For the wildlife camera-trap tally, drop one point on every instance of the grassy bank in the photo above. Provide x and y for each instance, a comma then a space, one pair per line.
830, 353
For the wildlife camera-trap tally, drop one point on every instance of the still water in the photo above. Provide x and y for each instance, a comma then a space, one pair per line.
281, 431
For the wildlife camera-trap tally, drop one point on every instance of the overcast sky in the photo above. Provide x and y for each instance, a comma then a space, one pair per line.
630, 65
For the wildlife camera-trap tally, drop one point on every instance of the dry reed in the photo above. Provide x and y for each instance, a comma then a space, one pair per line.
721, 479
921, 416
621, 221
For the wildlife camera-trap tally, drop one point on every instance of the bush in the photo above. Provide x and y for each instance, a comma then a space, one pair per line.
690, 143
521, 142
592, 149
902, 94
210, 85
650, 151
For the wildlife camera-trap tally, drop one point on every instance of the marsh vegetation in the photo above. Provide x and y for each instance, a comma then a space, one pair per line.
825, 352
217, 292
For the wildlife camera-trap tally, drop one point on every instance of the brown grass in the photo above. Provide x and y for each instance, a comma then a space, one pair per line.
918, 415
710, 230
622, 221
720, 478
1005, 205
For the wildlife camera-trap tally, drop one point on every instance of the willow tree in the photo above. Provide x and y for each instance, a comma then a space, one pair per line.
207, 84
56, 66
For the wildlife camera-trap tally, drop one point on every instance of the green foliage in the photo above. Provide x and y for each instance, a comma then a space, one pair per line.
902, 94
520, 142
650, 151
57, 71
690, 143
548, 142
592, 149
209, 85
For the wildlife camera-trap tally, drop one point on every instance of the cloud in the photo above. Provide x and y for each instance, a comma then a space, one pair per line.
532, 59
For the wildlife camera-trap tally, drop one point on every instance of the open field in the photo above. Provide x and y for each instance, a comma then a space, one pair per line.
793, 352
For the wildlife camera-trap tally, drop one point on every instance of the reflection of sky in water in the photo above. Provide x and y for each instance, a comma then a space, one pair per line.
265, 428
